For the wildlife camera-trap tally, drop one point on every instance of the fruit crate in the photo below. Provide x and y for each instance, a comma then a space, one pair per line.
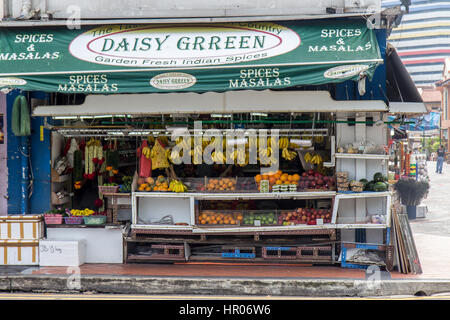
279, 253
168, 252
306, 216
315, 253
260, 218
304, 253
221, 184
219, 218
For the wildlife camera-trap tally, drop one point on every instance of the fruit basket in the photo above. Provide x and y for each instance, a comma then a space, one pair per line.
73, 220
53, 218
108, 189
95, 220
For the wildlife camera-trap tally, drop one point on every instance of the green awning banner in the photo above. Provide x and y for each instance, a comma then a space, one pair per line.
186, 57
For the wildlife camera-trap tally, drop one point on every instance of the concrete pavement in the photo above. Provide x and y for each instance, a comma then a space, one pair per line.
431, 234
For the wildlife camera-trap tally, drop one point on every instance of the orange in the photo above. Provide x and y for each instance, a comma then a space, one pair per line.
290, 178
279, 172
279, 182
272, 180
296, 177
284, 177
265, 177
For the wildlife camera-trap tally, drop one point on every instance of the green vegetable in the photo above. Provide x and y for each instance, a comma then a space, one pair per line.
21, 123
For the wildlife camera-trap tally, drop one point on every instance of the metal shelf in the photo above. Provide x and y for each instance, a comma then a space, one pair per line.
234, 196
361, 156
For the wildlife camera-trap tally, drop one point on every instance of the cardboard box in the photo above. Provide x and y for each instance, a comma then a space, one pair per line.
62, 253
19, 252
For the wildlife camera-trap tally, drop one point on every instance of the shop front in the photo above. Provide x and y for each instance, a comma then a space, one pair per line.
255, 142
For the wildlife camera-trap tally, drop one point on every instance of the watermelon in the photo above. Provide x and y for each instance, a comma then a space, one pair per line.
377, 177
369, 186
380, 186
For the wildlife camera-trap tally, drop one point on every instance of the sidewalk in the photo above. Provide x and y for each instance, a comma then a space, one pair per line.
431, 234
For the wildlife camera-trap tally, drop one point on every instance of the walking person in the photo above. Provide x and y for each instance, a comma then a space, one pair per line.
440, 159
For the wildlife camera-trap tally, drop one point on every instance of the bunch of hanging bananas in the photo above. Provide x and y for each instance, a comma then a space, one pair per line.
240, 157
316, 159
265, 153
177, 186
288, 154
151, 140
283, 142
218, 157
318, 139
146, 151
183, 143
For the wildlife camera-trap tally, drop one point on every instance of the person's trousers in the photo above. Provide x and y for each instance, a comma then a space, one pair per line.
439, 163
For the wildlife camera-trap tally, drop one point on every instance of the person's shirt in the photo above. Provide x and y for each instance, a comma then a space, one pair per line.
441, 153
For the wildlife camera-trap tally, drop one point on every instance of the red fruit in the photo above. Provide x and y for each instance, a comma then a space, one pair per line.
304, 174
320, 182
312, 184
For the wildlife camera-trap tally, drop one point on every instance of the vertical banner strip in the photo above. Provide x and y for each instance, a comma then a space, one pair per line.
9, 229
5, 255
34, 230
19, 252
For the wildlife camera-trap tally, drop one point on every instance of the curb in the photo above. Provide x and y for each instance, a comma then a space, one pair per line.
222, 286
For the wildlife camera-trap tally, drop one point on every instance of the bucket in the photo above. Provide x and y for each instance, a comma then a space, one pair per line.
412, 212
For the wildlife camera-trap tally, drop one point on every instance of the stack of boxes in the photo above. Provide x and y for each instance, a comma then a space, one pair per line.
342, 181
19, 239
356, 186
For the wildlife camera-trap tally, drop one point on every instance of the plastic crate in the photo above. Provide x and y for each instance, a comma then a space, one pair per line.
239, 252
73, 220
53, 218
95, 220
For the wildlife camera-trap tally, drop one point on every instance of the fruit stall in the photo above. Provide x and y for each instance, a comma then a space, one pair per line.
311, 188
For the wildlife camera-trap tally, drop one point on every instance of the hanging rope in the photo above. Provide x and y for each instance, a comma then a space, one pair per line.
21, 117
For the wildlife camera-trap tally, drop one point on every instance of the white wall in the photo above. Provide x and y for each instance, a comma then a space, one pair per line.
105, 9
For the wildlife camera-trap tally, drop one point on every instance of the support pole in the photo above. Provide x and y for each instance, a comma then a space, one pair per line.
25, 154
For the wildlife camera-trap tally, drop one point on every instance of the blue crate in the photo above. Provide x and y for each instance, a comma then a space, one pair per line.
238, 254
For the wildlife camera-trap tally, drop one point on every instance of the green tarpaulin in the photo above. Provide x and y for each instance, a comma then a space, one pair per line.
188, 57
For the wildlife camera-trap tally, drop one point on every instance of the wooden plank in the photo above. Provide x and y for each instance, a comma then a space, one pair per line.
410, 245
399, 245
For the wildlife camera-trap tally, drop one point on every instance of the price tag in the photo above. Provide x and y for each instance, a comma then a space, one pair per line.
319, 222
257, 223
